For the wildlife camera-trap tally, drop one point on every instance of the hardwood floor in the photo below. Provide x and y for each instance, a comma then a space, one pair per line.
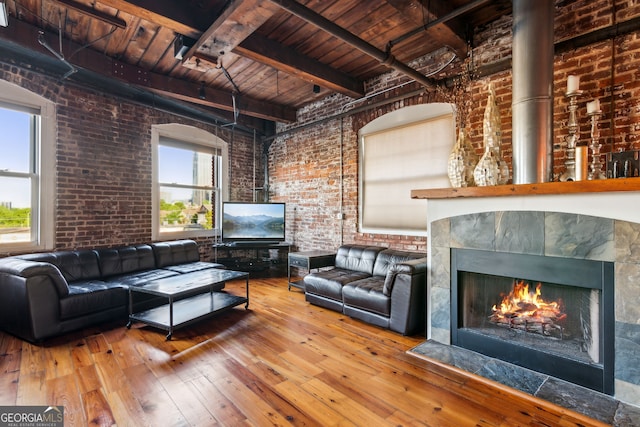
282, 362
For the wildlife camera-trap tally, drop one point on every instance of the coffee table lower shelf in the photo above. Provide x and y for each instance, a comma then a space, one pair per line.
177, 314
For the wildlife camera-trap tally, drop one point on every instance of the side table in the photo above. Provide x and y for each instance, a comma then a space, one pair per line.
308, 260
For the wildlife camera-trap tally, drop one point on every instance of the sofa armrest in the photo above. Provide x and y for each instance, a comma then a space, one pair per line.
411, 267
27, 269
408, 291
30, 294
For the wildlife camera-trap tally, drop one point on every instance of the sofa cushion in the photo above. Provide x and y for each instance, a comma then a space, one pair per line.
357, 258
92, 296
140, 277
176, 252
74, 265
390, 257
329, 283
367, 294
115, 261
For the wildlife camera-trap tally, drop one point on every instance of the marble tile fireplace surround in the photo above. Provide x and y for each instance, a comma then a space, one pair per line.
601, 226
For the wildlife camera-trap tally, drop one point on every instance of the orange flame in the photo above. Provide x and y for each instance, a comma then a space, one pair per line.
521, 302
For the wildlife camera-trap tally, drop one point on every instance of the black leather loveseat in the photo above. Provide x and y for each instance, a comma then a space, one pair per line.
48, 294
384, 287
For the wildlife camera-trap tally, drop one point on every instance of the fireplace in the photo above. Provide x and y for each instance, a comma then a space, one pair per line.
550, 314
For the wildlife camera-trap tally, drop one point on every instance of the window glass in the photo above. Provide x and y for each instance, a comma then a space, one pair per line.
188, 187
15, 142
17, 176
15, 210
27, 170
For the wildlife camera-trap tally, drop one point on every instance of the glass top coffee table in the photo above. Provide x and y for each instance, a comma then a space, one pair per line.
203, 300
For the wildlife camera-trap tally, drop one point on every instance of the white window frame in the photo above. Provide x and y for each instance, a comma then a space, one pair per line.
43, 169
432, 156
190, 136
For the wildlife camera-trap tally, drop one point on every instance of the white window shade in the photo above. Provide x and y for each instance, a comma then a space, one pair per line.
410, 153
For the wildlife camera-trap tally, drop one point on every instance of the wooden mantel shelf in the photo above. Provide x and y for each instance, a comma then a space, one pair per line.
596, 186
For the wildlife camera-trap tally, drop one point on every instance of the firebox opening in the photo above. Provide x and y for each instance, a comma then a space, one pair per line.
552, 318
549, 314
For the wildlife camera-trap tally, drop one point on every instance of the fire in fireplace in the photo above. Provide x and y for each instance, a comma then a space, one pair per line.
527, 311
549, 314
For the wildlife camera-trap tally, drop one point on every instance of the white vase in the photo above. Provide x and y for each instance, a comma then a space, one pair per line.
462, 161
487, 171
494, 170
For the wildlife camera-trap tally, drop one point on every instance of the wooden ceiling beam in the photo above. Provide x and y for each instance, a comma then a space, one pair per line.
112, 20
165, 13
283, 58
236, 22
421, 12
254, 47
26, 36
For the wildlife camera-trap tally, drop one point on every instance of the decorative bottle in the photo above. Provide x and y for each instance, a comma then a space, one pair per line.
462, 161
491, 169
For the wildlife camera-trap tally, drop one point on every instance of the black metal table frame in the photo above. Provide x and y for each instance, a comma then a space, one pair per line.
218, 302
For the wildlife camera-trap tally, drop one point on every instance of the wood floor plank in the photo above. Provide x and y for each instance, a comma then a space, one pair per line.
319, 412
10, 358
63, 391
282, 362
126, 409
186, 399
9, 388
31, 389
32, 359
221, 408
156, 402
255, 409
88, 379
111, 376
347, 407
268, 394
97, 409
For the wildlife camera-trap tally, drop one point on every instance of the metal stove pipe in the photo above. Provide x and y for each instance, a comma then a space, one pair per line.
532, 105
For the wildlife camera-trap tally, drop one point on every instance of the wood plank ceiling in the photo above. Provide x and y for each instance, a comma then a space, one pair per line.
248, 61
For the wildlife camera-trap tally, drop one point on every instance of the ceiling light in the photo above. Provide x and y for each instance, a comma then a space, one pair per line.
4, 17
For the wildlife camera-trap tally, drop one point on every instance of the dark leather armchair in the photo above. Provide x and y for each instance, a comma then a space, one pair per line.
384, 287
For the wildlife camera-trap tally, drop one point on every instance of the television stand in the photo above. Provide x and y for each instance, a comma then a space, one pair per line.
251, 256
252, 243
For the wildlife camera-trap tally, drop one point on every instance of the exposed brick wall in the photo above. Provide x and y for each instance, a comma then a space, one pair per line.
103, 155
301, 158
103, 147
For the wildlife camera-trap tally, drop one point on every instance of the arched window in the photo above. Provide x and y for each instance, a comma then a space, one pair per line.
190, 181
27, 170
404, 150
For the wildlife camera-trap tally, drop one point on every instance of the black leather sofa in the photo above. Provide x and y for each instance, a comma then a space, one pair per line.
384, 287
43, 295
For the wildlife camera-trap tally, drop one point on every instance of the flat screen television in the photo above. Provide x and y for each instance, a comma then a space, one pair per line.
253, 222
